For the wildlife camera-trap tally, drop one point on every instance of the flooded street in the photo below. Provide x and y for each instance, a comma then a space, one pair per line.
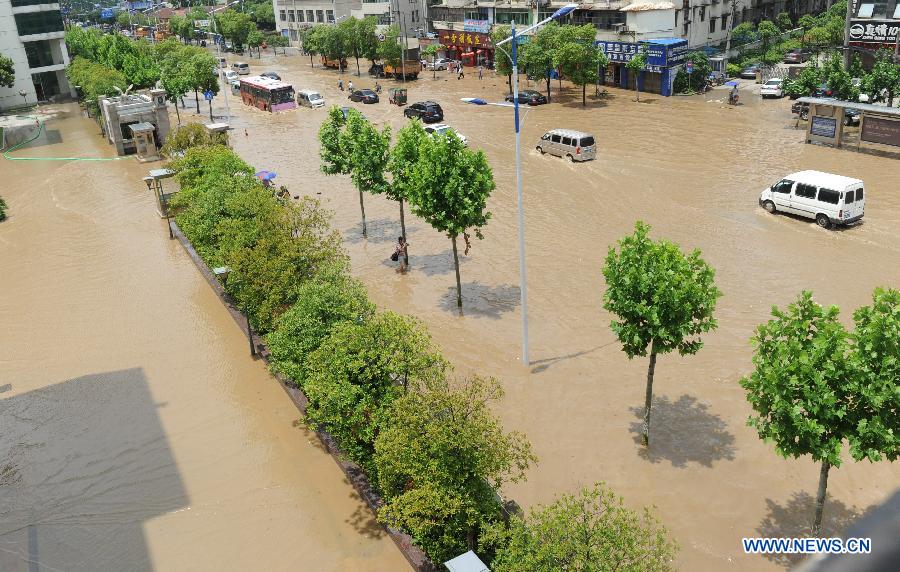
135, 431
693, 169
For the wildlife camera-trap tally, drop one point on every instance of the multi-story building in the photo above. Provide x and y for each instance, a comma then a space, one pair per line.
293, 15
31, 34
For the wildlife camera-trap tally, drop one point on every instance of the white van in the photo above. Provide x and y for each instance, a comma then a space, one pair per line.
242, 68
829, 199
576, 145
310, 98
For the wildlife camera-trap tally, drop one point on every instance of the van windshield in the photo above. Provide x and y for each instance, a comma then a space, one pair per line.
587, 141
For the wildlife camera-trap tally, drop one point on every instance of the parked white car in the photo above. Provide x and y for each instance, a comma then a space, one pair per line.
828, 199
438, 64
443, 129
230, 75
772, 88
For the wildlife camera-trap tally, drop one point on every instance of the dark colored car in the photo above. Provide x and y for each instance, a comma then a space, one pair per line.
851, 116
796, 57
363, 95
823, 91
529, 96
427, 111
749, 72
271, 75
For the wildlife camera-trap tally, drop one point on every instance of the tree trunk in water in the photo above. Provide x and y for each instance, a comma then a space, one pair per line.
820, 497
362, 209
177, 113
648, 398
583, 96
197, 100
357, 66
637, 92
456, 264
548, 88
509, 81
311, 61
403, 233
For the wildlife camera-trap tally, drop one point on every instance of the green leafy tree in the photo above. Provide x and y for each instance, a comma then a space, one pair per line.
369, 155
95, 80
263, 15
502, 64
687, 83
663, 301
334, 43
389, 50
817, 38
441, 456
636, 66
7, 72
188, 136
450, 188
838, 79
807, 22
175, 81
578, 58
358, 370
200, 70
743, 33
311, 40
235, 26
3, 208
875, 359
361, 38
799, 388
856, 69
321, 304
767, 31
591, 531
403, 158
783, 21
254, 40
278, 41
430, 51
805, 83
540, 52
883, 82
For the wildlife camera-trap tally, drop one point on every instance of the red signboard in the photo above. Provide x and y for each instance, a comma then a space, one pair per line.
465, 40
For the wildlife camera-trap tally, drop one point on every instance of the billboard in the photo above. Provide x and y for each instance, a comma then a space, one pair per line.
874, 31
480, 26
880, 130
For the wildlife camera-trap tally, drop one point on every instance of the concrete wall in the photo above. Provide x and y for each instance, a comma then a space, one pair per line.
11, 47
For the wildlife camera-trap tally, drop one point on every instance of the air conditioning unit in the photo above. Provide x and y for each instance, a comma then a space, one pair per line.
621, 28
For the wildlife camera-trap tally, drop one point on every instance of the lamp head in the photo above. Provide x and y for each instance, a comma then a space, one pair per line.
149, 182
474, 100
565, 10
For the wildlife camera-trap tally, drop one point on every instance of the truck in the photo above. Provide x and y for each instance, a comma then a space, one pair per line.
334, 63
410, 67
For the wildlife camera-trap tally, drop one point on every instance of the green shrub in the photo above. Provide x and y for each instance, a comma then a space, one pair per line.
733, 70
320, 305
2, 209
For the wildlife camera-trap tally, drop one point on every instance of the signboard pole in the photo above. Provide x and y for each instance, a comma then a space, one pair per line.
850, 6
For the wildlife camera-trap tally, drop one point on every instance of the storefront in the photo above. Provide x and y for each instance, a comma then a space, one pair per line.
664, 57
472, 48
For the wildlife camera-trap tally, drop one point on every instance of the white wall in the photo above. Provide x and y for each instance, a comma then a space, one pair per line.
11, 47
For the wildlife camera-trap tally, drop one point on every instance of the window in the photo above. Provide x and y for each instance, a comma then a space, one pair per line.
329, 15
299, 15
291, 16
783, 186
294, 34
476, 15
897, 11
859, 194
702, 13
724, 22
880, 10
39, 54
587, 141
829, 196
806, 191
555, 138
310, 17
384, 19
281, 15
865, 10
848, 198
320, 16
509, 16
567, 141
712, 25
39, 22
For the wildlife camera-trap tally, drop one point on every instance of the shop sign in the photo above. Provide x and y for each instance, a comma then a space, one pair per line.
464, 39
874, 31
880, 130
481, 26
623, 52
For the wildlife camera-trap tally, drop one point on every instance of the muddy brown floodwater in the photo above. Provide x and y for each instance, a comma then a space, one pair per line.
136, 433
693, 169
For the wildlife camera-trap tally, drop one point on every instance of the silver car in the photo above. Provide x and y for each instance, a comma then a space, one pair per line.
576, 145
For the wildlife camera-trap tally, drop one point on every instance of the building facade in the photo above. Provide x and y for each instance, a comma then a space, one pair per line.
291, 16
31, 34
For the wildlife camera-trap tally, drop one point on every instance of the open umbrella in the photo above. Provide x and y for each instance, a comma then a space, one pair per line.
266, 175
732, 83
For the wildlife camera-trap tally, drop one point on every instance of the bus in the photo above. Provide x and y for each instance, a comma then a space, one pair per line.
267, 94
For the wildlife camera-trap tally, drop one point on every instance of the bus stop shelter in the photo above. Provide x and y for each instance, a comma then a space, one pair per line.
878, 124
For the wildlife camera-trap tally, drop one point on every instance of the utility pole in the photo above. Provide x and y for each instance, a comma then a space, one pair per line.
850, 5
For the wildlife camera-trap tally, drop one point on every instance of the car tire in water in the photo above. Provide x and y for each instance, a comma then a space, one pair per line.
571, 158
769, 206
540, 149
823, 221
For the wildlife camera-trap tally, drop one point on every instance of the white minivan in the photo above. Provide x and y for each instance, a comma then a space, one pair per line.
829, 199
310, 98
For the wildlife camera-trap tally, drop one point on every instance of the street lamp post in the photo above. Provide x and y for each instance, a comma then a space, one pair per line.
514, 60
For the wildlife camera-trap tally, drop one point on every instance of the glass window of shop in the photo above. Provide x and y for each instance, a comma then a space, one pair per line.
320, 16
39, 22
520, 17
329, 16
384, 19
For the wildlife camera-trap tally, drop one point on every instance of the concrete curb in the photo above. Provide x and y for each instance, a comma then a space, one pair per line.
413, 554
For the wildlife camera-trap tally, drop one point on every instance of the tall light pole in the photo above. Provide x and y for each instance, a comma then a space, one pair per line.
514, 60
